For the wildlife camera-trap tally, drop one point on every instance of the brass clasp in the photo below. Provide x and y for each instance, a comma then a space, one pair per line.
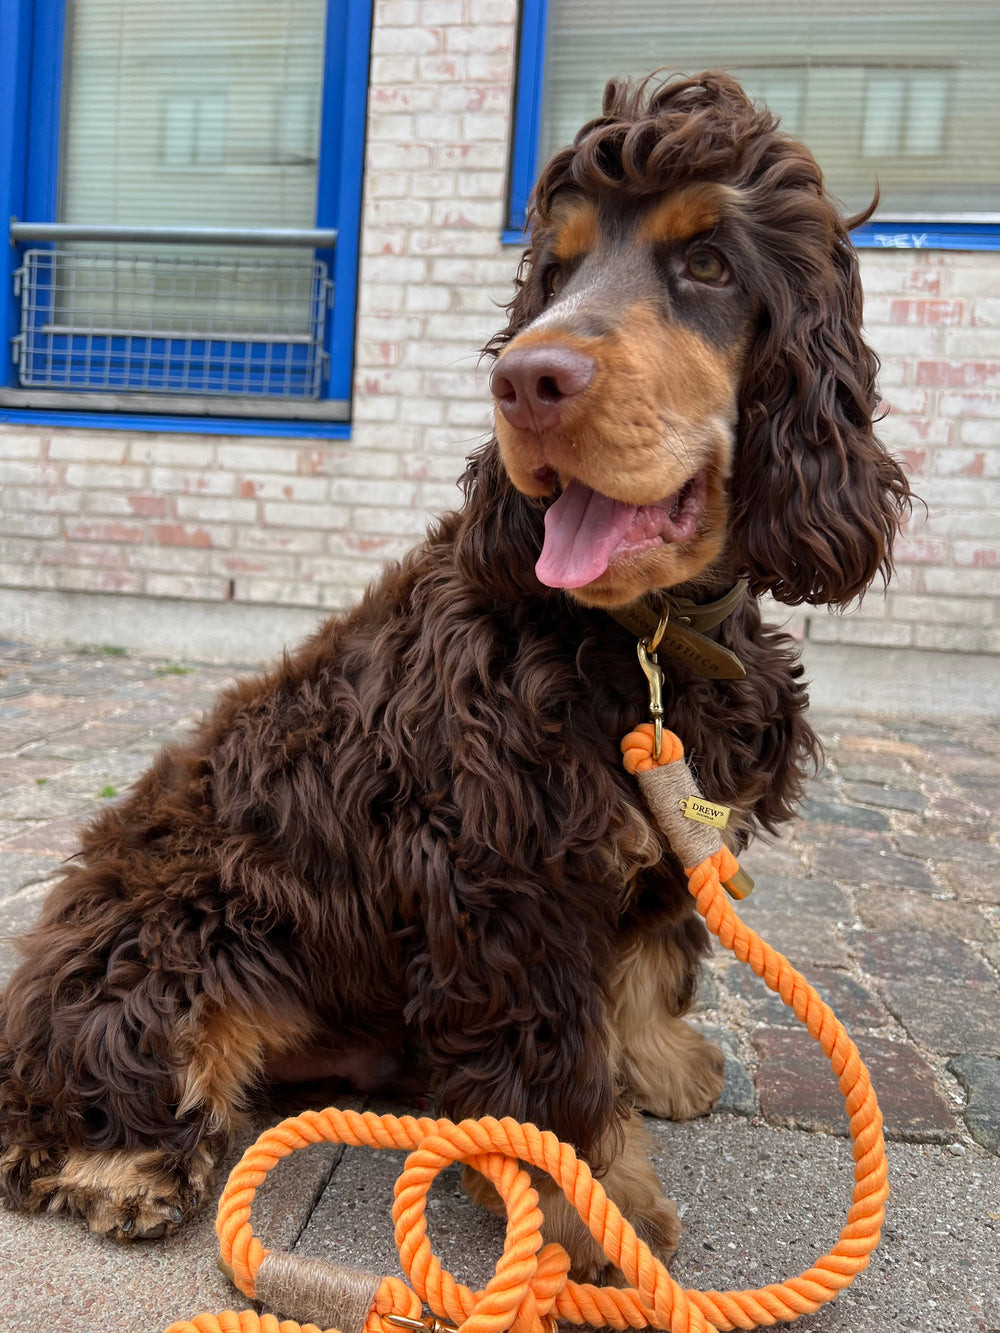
429, 1325
649, 662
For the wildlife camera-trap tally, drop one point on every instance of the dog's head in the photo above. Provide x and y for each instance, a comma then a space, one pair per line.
682, 381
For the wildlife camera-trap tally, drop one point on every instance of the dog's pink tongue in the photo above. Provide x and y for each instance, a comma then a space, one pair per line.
582, 529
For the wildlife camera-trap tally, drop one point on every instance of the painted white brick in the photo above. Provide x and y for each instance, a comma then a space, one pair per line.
397, 269
383, 241
48, 501
968, 462
965, 583
477, 416
981, 279
982, 344
421, 299
484, 38
26, 576
363, 491
75, 579
392, 521
433, 184
386, 126
399, 212
104, 476
387, 71
898, 431
186, 586
278, 539
422, 411
388, 41
441, 13
204, 509
399, 328
482, 156
277, 592
22, 473
472, 241
288, 515
402, 156
30, 525
88, 448
440, 499
944, 523
166, 481
170, 559
256, 457
473, 97
371, 463
923, 341
480, 125
491, 11
172, 452
13, 445
979, 432
986, 312
339, 570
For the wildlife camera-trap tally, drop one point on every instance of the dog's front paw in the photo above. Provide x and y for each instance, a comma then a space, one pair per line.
653, 1216
679, 1080
126, 1195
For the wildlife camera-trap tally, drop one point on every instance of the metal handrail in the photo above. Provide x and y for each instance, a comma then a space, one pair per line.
315, 238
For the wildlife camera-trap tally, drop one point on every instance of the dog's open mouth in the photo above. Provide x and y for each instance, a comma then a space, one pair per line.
587, 532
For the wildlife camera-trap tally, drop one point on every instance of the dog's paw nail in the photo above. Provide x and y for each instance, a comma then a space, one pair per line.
176, 1217
128, 1226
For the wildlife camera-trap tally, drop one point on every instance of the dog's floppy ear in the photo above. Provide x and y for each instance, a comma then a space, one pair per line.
500, 536
816, 499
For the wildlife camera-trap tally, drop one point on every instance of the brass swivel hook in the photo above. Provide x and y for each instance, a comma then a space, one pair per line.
649, 662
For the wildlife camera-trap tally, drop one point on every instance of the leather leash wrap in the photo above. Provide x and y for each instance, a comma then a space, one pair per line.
530, 1288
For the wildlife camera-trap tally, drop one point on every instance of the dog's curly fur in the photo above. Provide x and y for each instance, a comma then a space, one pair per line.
414, 835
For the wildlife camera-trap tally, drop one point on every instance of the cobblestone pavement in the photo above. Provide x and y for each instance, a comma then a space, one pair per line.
886, 893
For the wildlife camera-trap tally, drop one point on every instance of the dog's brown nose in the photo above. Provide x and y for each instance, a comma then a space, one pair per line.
533, 384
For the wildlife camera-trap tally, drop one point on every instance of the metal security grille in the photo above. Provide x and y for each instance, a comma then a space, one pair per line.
135, 321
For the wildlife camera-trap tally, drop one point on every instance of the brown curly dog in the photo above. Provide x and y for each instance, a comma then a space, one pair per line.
414, 835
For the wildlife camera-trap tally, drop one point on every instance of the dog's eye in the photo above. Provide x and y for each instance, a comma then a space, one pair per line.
553, 281
706, 266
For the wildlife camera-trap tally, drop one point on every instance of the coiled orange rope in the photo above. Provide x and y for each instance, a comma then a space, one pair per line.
530, 1286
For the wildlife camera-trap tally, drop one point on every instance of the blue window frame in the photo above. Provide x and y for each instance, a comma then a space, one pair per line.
904, 232
32, 35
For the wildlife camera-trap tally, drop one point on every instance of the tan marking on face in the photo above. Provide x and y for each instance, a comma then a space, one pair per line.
685, 214
660, 408
577, 233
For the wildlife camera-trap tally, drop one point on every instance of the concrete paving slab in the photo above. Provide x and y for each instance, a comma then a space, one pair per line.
758, 1205
57, 1278
876, 914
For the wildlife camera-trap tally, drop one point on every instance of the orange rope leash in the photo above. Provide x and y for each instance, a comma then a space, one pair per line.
529, 1286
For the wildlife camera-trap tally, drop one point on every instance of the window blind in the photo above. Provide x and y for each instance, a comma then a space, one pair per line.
192, 112
904, 94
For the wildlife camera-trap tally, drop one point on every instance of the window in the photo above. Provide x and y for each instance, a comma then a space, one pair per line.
899, 94
202, 165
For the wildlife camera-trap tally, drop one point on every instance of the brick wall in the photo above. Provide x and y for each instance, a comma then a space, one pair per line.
304, 523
